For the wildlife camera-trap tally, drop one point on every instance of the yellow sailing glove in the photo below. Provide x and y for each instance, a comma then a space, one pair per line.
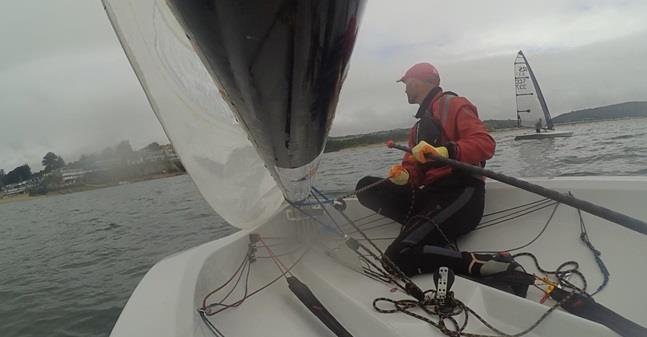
419, 151
398, 175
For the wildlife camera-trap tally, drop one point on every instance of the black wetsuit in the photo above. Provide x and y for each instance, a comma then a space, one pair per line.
440, 213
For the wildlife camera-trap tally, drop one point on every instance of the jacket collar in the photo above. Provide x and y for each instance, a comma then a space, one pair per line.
425, 105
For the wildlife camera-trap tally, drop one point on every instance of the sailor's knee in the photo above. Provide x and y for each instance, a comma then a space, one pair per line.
403, 257
364, 182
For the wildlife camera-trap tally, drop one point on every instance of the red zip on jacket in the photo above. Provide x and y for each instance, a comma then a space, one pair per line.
462, 132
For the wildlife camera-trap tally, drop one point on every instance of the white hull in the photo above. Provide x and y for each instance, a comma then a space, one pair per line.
165, 302
544, 135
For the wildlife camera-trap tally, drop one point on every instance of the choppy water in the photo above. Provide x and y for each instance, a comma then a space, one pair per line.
69, 263
606, 148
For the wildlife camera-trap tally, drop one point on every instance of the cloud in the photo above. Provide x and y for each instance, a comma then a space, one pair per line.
72, 102
66, 86
585, 54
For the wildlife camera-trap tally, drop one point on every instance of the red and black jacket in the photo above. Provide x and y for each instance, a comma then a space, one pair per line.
445, 119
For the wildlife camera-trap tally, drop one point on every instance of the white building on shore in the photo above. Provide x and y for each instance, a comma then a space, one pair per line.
73, 176
15, 189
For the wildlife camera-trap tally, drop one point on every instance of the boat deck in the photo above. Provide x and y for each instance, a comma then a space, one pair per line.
166, 301
545, 135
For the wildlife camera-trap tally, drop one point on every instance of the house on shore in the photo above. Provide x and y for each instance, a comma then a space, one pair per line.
15, 189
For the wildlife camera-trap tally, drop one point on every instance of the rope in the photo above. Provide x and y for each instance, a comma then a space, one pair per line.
584, 236
515, 207
455, 308
207, 309
561, 274
363, 189
424, 302
447, 323
276, 260
515, 215
550, 218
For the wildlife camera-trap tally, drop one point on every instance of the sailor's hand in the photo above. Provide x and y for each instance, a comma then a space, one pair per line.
423, 148
398, 175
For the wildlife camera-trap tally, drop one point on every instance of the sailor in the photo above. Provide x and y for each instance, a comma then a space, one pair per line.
434, 203
538, 125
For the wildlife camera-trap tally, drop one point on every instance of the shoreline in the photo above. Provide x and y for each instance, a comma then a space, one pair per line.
498, 130
84, 188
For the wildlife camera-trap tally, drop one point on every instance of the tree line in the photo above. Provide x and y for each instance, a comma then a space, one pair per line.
120, 153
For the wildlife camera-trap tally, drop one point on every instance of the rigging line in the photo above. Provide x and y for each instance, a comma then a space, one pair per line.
441, 326
375, 275
519, 210
597, 255
237, 303
323, 207
366, 229
346, 235
372, 214
278, 244
527, 244
294, 247
363, 189
347, 226
353, 224
377, 239
550, 218
357, 245
527, 330
278, 262
430, 308
515, 207
268, 284
560, 273
286, 253
245, 259
207, 322
387, 280
430, 220
410, 287
321, 194
338, 231
490, 224
279, 238
511, 217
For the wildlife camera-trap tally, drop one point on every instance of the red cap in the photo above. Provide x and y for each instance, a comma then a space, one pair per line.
422, 71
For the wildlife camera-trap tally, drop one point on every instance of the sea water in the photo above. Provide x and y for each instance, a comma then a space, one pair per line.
68, 263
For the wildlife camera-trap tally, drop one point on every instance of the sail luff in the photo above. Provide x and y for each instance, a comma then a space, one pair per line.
540, 96
195, 114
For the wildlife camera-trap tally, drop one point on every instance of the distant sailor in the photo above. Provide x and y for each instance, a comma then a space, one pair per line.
538, 125
434, 203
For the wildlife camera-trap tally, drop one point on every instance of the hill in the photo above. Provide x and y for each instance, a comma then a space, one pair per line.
608, 112
614, 111
338, 143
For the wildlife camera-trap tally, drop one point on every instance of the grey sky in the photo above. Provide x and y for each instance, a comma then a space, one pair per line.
66, 86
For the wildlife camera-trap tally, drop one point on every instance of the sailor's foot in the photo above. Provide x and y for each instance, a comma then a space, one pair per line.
499, 271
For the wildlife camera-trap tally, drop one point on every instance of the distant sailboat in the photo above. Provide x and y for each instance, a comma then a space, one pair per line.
532, 111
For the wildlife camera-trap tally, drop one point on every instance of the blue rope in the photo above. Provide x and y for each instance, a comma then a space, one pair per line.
326, 199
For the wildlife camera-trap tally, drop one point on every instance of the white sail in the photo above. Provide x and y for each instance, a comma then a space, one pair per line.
531, 106
194, 114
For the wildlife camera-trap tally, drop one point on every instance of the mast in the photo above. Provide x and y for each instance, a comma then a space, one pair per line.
540, 96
